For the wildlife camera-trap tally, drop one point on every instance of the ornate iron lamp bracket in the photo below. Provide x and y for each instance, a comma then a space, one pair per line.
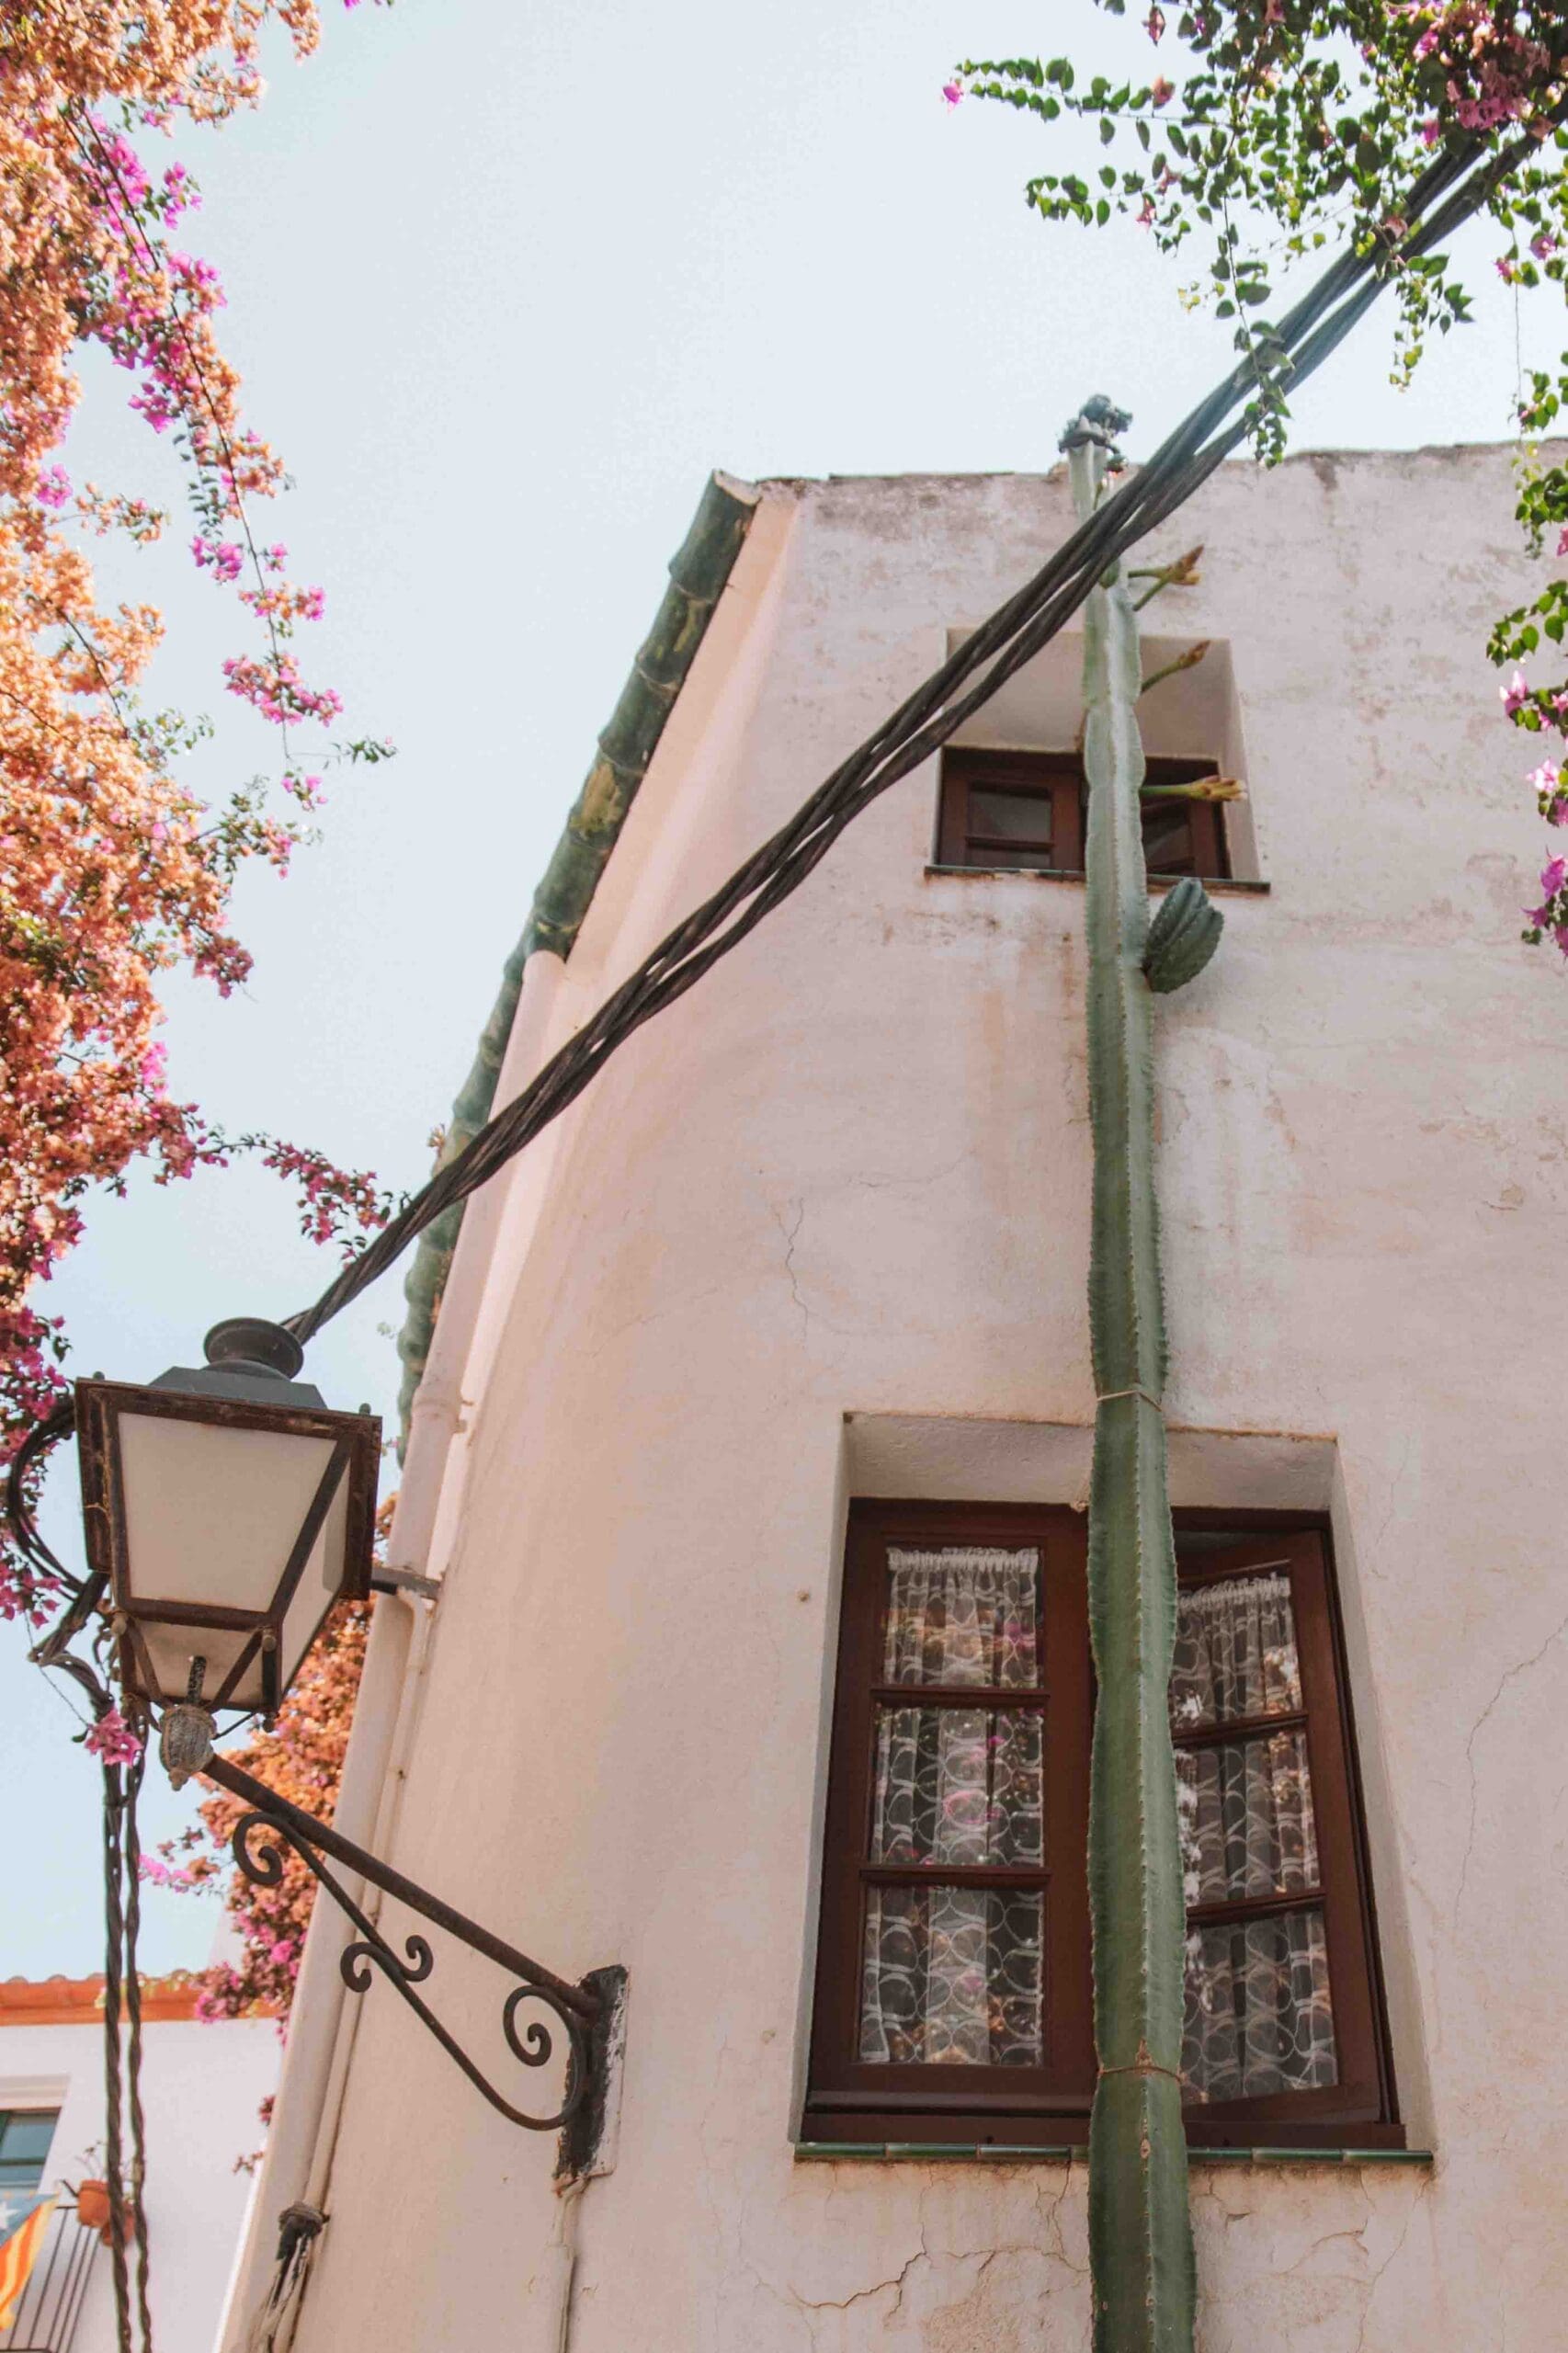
273, 1825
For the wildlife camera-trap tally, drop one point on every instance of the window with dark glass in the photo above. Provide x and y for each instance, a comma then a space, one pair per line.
953, 1995
1025, 810
25, 2137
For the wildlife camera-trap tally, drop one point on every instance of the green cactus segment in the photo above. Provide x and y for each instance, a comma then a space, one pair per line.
1139, 2232
1183, 937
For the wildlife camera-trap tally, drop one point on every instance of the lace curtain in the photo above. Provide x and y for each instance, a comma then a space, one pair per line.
1259, 2015
965, 1614
952, 1974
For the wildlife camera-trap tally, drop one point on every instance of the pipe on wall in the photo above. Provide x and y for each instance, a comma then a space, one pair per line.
297, 2167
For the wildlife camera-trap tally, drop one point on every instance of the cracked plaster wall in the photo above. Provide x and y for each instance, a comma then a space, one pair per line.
850, 1172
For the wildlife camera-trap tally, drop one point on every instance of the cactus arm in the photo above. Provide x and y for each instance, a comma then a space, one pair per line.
1139, 2230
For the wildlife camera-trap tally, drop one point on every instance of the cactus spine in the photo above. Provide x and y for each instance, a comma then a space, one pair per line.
1139, 2230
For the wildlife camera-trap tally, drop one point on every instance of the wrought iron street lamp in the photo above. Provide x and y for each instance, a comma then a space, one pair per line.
227, 1511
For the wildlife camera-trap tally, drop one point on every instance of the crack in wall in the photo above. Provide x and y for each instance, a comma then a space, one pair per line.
792, 1234
860, 2295
1423, 2189
1511, 1676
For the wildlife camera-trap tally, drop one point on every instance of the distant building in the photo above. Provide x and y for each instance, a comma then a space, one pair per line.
751, 1452
201, 2088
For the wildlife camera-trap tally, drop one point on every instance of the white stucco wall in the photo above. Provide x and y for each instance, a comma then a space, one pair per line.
848, 1176
201, 2086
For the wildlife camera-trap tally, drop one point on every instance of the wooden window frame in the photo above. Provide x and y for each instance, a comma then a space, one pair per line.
1060, 774
848, 2099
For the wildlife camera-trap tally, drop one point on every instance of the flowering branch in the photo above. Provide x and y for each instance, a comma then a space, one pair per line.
111, 872
1283, 125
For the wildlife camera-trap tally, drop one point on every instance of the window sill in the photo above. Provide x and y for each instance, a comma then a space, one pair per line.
947, 2153
1220, 887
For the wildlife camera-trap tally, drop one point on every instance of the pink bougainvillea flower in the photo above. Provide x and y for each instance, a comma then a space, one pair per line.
1154, 23
1543, 245
113, 1740
1163, 92
952, 92
1516, 694
1551, 875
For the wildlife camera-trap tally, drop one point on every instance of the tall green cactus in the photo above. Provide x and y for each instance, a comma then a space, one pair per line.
1139, 2230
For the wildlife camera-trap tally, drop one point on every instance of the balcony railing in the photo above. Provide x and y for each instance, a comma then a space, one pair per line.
57, 2288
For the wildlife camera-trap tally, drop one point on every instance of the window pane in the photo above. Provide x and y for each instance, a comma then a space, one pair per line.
951, 1977
1010, 816
957, 1785
963, 1614
1258, 2014
1167, 838
1235, 1652
25, 2136
1247, 1819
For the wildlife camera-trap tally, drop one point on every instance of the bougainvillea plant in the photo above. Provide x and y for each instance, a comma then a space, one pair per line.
1264, 130
301, 1757
112, 870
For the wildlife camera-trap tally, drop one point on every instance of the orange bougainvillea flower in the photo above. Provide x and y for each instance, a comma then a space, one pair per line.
111, 872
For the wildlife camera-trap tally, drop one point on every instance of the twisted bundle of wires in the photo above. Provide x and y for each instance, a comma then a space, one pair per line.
1454, 188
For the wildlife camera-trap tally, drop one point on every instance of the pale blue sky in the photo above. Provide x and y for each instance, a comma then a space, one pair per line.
505, 283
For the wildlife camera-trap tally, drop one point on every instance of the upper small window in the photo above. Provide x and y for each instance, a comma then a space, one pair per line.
1025, 810
25, 2136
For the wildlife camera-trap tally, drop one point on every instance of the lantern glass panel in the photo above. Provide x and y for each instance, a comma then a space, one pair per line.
211, 1513
212, 1517
318, 1588
171, 1649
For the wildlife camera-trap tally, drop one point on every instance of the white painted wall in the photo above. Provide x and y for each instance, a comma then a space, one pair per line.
201, 2086
848, 1176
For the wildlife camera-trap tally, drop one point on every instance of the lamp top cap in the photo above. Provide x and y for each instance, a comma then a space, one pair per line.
250, 1343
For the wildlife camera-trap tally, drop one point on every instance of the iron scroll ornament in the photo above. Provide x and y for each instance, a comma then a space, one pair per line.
258, 1846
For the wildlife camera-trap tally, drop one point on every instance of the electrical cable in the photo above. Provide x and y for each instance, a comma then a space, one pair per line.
1455, 187
114, 1950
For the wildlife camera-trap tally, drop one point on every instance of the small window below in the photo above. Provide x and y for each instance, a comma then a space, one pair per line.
1024, 811
25, 2137
954, 1988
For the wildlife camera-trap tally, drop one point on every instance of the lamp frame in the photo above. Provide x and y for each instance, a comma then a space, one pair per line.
356, 1440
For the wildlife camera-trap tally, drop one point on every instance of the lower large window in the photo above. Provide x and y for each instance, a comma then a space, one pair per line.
953, 1998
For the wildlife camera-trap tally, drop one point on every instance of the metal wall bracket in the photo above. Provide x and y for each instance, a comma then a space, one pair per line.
586, 2012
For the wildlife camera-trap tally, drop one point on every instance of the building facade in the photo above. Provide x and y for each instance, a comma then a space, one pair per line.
202, 2085
751, 1458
